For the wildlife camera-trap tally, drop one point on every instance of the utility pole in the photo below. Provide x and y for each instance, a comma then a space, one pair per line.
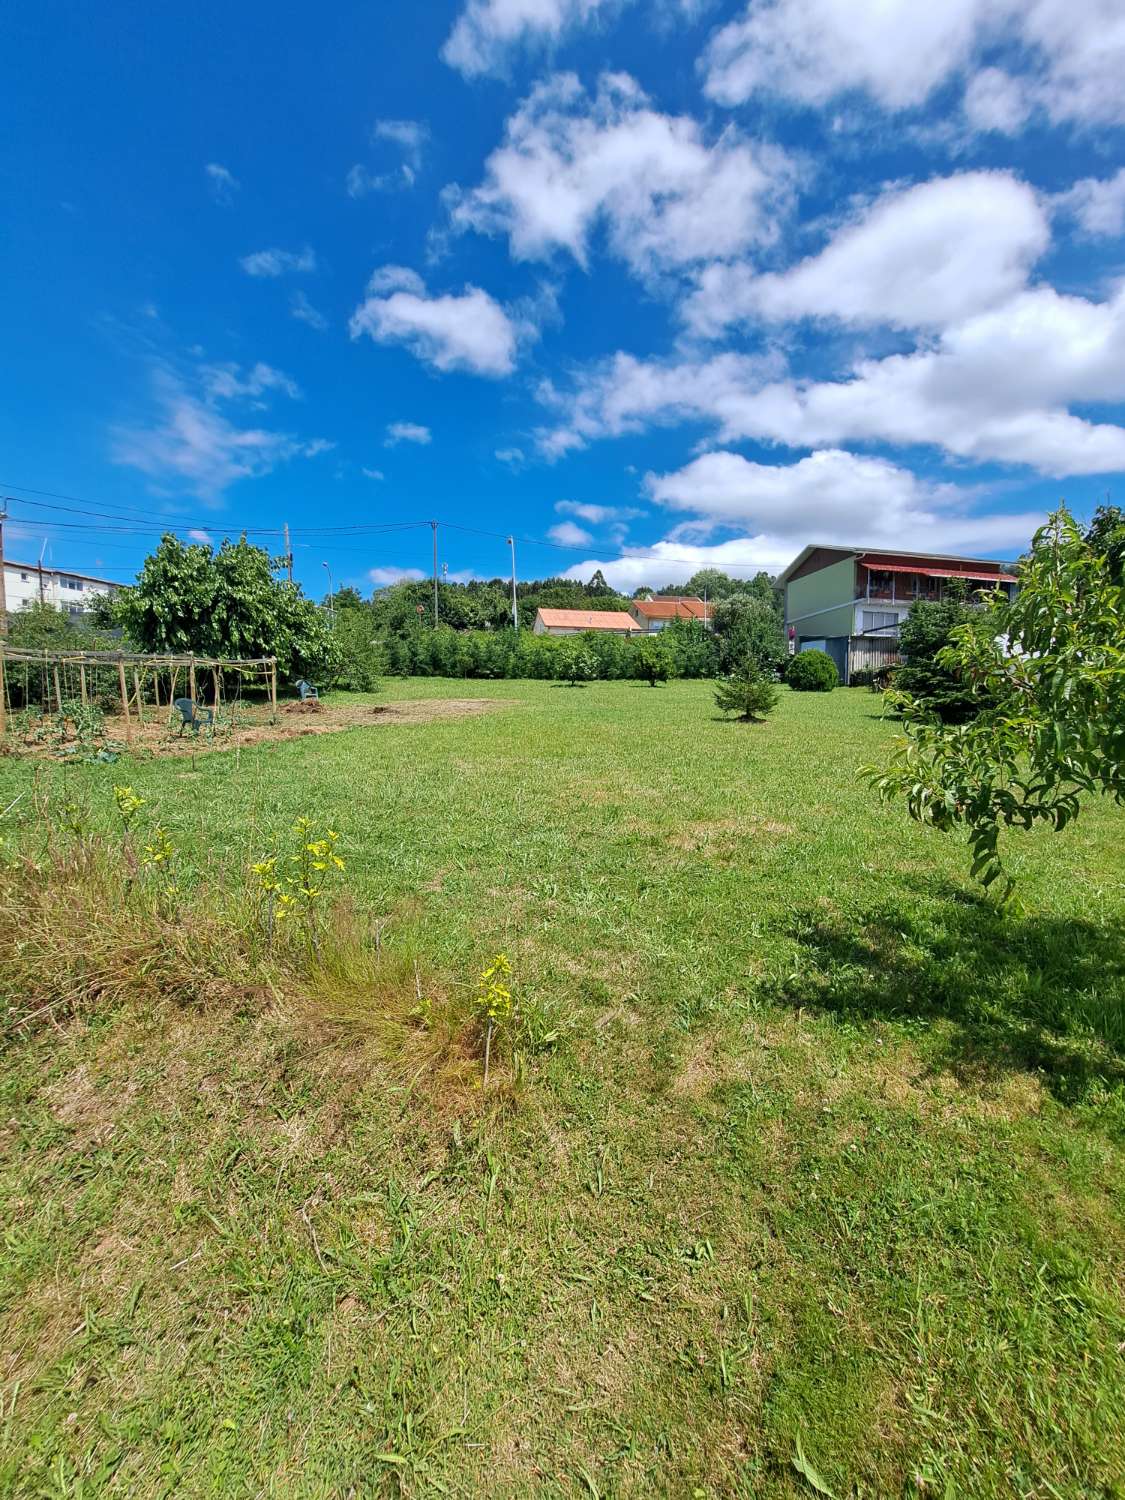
434, 526
331, 591
288, 553
515, 604
3, 577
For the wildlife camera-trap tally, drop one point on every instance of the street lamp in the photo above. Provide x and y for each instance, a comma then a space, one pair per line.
331, 605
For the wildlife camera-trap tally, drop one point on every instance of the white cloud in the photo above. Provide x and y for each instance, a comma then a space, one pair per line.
836, 496
384, 577
674, 559
919, 257
302, 309
1098, 204
995, 101
665, 197
898, 53
567, 534
203, 537
222, 183
597, 515
191, 442
278, 262
488, 30
407, 432
466, 332
812, 51
317, 445
410, 135
513, 457
996, 386
227, 382
374, 473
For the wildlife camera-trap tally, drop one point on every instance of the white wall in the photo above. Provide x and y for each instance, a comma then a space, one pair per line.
68, 591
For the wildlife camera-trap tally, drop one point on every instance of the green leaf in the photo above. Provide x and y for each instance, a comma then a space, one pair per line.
808, 1473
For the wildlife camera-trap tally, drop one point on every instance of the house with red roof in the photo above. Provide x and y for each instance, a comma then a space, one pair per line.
654, 614
851, 601
575, 621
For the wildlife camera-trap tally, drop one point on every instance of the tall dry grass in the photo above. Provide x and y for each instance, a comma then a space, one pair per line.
86, 926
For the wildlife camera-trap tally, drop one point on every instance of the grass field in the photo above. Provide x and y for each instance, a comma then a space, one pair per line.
810, 1181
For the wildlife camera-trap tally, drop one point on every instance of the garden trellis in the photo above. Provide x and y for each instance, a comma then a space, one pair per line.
50, 680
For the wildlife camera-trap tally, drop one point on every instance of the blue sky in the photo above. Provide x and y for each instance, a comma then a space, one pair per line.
662, 283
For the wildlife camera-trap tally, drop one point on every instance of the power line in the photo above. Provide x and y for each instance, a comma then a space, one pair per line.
323, 534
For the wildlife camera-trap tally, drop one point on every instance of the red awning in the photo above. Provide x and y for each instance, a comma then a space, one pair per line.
877, 566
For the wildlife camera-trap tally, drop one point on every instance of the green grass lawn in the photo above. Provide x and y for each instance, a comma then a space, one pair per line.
812, 1182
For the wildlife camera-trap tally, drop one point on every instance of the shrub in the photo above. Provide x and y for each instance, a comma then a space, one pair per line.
748, 692
932, 682
651, 662
812, 672
576, 666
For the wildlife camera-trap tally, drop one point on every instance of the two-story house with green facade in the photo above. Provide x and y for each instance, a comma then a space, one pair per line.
850, 601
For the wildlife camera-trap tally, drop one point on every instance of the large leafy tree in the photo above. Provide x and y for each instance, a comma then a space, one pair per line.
225, 603
1051, 665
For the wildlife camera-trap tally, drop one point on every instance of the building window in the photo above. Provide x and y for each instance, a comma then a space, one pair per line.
71, 583
878, 619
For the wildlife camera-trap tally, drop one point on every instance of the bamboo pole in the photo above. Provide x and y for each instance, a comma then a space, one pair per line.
191, 680
273, 687
58, 690
125, 701
140, 697
215, 706
3, 695
82, 682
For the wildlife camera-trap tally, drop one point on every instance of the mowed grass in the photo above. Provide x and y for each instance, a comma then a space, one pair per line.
811, 1175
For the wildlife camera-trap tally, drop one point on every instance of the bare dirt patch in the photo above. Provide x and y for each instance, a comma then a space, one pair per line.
251, 726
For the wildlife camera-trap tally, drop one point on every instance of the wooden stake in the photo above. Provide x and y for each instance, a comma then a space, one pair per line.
82, 682
125, 701
3, 702
191, 681
273, 686
58, 690
140, 697
215, 705
156, 688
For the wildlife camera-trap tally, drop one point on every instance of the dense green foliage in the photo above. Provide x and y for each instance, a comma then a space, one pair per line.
1051, 666
42, 626
225, 603
748, 628
924, 673
1106, 534
423, 652
654, 660
474, 637
812, 672
748, 692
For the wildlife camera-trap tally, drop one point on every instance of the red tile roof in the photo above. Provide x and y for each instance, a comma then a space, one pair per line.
671, 609
976, 572
588, 619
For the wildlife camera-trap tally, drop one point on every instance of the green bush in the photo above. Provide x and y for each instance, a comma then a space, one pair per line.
812, 672
652, 662
748, 692
576, 665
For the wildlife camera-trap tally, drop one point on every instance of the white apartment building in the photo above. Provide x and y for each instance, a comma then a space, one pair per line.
26, 583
